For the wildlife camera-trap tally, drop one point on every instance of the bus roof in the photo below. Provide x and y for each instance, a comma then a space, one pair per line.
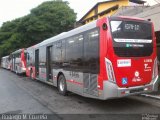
5, 56
18, 51
78, 30
131, 18
68, 34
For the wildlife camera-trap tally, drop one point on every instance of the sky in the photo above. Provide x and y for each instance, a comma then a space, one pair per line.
12, 9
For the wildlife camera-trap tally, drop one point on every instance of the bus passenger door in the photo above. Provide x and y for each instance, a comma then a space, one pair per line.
49, 63
37, 63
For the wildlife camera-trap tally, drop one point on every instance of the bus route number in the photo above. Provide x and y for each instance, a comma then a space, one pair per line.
74, 74
132, 27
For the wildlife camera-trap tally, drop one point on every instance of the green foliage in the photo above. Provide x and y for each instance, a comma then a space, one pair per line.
47, 20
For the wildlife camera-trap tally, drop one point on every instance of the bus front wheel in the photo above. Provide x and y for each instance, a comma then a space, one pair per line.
62, 86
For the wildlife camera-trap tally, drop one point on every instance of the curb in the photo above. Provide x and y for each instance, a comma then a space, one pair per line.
151, 96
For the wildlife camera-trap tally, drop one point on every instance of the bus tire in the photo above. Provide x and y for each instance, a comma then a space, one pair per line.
62, 86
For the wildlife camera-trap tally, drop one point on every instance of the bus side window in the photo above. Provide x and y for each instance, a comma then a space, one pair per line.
57, 54
74, 52
91, 51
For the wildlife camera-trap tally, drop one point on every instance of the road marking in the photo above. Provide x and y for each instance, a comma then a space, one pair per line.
152, 96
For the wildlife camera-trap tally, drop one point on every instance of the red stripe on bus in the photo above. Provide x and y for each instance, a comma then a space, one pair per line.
75, 82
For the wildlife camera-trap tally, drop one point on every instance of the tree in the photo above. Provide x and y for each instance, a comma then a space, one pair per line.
47, 20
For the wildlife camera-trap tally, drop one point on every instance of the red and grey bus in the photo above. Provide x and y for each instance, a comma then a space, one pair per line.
109, 58
18, 61
5, 62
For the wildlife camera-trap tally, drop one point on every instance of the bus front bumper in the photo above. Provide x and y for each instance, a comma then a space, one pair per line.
111, 90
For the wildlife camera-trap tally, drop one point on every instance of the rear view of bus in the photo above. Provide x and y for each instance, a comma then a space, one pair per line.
130, 61
18, 61
5, 62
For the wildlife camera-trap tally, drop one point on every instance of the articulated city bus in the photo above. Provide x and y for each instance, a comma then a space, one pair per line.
18, 61
109, 58
5, 62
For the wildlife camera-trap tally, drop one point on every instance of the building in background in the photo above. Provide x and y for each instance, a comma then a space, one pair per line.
107, 8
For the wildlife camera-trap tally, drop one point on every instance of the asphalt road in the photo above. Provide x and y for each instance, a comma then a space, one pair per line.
19, 94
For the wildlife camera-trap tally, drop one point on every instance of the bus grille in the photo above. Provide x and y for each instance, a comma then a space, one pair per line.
90, 84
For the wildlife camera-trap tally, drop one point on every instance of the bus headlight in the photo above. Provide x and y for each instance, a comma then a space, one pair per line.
155, 69
110, 71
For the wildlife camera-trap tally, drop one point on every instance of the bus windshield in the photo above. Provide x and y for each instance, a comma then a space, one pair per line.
132, 38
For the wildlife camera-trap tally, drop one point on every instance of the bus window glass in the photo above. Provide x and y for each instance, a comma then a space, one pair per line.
91, 51
74, 52
131, 38
57, 54
42, 56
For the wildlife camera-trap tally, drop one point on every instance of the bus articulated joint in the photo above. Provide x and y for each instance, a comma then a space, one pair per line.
112, 91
